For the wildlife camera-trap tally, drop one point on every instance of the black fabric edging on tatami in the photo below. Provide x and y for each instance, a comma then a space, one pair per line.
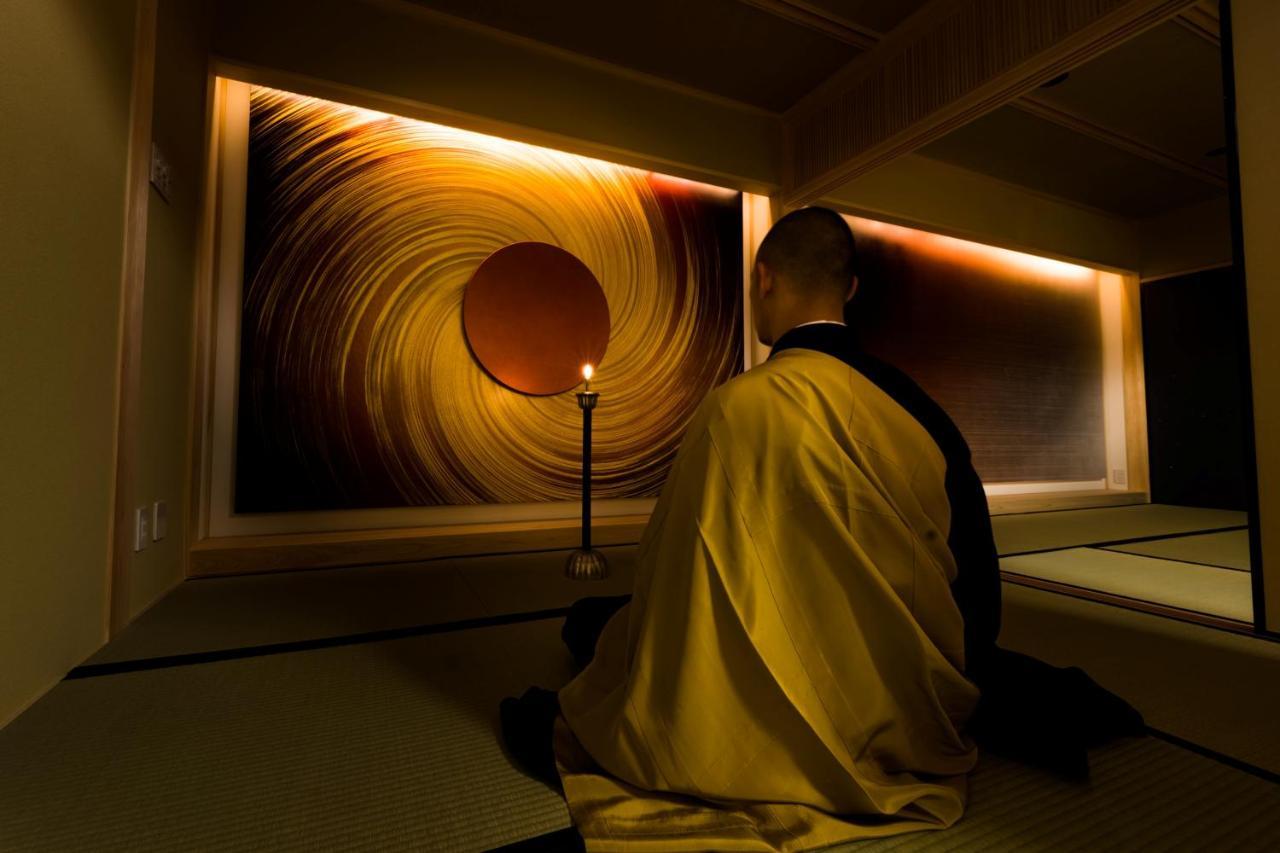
1115, 550
1134, 541
567, 840
94, 670
1220, 757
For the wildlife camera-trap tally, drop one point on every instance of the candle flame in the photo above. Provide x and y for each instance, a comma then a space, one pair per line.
587, 372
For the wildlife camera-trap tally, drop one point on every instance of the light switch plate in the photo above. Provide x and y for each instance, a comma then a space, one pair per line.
161, 173
159, 521
141, 527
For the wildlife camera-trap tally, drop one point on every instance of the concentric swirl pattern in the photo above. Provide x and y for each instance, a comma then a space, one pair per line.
357, 388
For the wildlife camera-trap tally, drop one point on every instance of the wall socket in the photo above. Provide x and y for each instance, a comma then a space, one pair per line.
159, 521
161, 173
141, 527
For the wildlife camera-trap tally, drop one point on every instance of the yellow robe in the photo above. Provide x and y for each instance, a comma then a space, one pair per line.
788, 673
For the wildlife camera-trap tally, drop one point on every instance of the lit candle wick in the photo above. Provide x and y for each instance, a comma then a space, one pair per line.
587, 372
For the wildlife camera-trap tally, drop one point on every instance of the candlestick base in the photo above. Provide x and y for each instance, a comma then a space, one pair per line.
586, 565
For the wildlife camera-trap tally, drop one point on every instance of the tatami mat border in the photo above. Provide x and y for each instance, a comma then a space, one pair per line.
1113, 549
1220, 757
193, 658
1134, 541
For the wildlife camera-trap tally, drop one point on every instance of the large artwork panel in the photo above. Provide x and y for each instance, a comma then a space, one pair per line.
357, 388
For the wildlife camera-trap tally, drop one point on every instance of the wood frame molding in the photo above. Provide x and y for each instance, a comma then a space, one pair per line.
234, 555
132, 290
1198, 18
1136, 604
202, 322
913, 74
1135, 389
820, 20
1056, 501
1203, 20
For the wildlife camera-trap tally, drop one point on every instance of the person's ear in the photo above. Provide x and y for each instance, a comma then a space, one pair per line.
853, 288
764, 280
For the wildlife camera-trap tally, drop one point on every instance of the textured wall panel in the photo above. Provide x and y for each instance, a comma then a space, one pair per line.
357, 388
1009, 344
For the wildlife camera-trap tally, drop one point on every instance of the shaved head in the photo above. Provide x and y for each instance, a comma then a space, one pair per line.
812, 248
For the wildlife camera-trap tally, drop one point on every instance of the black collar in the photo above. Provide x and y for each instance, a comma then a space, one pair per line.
829, 338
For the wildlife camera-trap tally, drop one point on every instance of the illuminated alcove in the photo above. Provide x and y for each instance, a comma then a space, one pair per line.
344, 239
1036, 359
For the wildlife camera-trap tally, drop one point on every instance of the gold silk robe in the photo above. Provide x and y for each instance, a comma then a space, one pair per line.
788, 673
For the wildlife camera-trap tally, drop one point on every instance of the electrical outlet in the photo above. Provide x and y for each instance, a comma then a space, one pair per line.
161, 173
159, 521
1119, 476
141, 527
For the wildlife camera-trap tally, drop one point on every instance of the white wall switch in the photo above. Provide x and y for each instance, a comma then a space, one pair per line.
161, 173
141, 527
159, 521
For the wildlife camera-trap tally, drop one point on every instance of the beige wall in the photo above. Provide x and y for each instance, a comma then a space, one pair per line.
64, 98
178, 128
421, 65
1186, 239
1256, 32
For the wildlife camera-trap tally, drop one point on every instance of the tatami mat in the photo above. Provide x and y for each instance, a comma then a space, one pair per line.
1042, 531
220, 613
1228, 550
1144, 795
223, 613
1201, 589
1216, 688
382, 746
394, 746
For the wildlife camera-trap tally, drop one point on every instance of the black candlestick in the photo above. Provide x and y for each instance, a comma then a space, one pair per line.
586, 563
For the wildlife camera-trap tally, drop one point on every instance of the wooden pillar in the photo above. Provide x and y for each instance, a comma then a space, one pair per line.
1252, 34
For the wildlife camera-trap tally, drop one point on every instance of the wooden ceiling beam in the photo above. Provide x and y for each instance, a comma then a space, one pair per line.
1040, 108
1202, 19
946, 65
818, 19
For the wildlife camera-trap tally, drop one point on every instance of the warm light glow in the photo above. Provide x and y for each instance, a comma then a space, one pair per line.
962, 251
685, 185
587, 372
513, 150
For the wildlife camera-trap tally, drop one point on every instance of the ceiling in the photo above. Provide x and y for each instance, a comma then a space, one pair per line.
1131, 133
1157, 100
767, 53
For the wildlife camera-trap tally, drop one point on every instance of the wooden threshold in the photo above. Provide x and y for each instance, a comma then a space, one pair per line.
1208, 620
235, 555
1051, 501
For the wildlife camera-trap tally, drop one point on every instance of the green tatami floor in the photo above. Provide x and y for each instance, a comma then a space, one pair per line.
356, 709
1190, 559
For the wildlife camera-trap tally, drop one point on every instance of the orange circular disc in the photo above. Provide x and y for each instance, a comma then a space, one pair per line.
534, 315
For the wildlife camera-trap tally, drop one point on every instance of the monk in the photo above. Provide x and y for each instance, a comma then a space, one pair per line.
810, 650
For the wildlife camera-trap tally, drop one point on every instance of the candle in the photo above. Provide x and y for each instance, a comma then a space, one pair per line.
586, 563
